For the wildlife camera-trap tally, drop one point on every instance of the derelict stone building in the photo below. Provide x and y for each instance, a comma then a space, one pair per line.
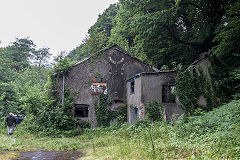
104, 72
144, 88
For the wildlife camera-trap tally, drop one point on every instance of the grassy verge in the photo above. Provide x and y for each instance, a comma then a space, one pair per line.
212, 135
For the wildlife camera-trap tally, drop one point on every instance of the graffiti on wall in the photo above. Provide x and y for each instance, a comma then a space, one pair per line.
98, 88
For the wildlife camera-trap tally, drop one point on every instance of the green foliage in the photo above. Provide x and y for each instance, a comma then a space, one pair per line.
187, 91
163, 32
40, 57
121, 114
9, 98
213, 135
190, 86
226, 53
63, 66
219, 120
21, 84
22, 90
217, 128
46, 115
159, 33
56, 119
84, 124
105, 116
154, 111
18, 54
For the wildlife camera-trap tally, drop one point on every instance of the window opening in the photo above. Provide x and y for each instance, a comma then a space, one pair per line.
168, 94
81, 110
132, 87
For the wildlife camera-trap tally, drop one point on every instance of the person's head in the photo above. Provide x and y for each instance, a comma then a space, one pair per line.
10, 114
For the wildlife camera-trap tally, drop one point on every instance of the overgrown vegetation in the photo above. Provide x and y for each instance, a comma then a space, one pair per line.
154, 111
54, 117
24, 71
226, 54
26, 90
212, 135
163, 34
104, 115
193, 84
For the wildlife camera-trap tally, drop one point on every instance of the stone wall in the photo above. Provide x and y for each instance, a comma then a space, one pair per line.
149, 87
111, 66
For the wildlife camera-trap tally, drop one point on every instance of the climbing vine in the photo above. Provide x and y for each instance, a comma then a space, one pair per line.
187, 91
191, 86
105, 116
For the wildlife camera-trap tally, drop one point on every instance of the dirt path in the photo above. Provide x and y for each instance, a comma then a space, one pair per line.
49, 155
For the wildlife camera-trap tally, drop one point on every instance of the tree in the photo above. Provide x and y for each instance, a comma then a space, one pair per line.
162, 32
41, 57
226, 54
19, 52
20, 82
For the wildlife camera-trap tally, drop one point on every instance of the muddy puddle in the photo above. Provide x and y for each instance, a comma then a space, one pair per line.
49, 155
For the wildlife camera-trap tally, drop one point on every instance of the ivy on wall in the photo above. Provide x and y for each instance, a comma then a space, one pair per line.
187, 92
190, 86
154, 111
105, 116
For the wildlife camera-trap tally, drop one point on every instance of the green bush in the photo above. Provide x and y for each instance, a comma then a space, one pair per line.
105, 116
154, 111
217, 130
84, 124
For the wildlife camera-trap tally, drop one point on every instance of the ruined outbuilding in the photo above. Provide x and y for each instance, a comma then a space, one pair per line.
144, 88
105, 72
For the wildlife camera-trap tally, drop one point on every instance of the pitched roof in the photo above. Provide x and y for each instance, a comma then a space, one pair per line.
118, 49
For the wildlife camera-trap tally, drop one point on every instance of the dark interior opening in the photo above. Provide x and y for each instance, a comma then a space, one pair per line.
168, 94
81, 110
132, 87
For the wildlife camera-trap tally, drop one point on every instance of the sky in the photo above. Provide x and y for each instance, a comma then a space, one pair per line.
60, 25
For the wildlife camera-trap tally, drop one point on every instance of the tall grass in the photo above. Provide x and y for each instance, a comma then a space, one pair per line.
213, 135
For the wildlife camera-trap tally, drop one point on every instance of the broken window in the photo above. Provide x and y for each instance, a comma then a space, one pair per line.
81, 110
168, 94
132, 87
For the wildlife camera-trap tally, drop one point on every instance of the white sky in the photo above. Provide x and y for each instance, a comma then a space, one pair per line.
60, 25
